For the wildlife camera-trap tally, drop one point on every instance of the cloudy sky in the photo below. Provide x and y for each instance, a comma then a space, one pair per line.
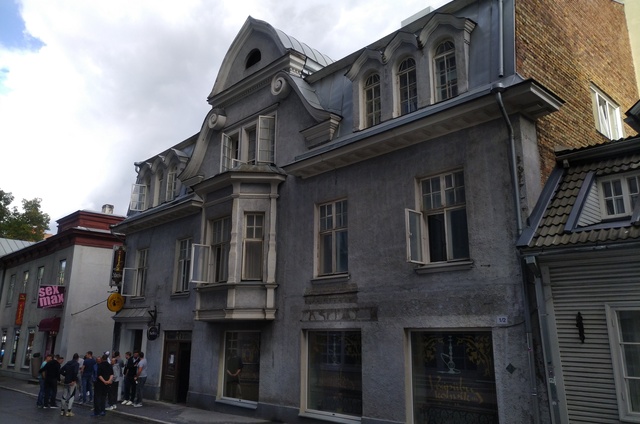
88, 87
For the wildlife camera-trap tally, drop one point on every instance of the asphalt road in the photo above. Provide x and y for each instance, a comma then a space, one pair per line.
19, 408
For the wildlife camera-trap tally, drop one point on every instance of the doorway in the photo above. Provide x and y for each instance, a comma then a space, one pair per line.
176, 365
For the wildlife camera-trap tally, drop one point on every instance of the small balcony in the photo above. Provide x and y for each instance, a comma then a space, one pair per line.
243, 301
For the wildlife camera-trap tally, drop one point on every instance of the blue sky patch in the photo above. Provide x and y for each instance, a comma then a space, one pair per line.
13, 35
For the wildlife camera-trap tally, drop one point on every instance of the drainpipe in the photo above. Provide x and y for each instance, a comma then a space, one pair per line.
545, 339
500, 39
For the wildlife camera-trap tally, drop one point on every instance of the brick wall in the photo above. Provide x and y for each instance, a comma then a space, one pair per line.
566, 45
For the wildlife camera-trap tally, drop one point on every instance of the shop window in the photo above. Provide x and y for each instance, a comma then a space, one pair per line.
334, 374
453, 378
242, 365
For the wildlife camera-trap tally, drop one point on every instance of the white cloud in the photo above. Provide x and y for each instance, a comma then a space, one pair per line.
119, 81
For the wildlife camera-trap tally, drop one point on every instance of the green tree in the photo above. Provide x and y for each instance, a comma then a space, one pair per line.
30, 224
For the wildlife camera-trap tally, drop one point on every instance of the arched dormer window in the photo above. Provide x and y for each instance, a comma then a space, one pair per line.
158, 188
171, 183
253, 58
407, 86
446, 73
372, 100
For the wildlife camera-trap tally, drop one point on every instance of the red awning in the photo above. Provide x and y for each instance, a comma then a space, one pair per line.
49, 324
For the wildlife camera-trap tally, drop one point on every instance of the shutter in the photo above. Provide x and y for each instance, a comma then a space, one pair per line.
586, 368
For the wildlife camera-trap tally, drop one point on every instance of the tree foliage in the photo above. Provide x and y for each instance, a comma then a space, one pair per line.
29, 225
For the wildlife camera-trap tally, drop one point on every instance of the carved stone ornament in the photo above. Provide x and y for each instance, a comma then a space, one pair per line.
280, 87
216, 120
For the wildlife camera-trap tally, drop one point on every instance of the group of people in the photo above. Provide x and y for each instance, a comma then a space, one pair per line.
96, 380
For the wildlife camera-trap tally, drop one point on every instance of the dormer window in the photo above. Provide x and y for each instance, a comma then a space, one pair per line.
407, 86
372, 100
171, 184
446, 74
139, 197
619, 195
253, 143
253, 58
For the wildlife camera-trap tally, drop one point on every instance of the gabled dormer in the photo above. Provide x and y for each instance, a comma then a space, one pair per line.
591, 198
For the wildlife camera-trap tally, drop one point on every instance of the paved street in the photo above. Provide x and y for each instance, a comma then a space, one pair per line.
18, 408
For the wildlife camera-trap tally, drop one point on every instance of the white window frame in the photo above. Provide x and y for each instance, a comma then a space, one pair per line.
305, 402
338, 226
38, 282
253, 246
606, 114
11, 289
253, 143
25, 281
183, 265
404, 84
617, 355
220, 249
172, 180
450, 85
138, 197
416, 222
62, 271
200, 263
624, 201
372, 100
134, 280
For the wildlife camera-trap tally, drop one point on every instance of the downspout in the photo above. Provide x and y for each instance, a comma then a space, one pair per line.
545, 340
498, 89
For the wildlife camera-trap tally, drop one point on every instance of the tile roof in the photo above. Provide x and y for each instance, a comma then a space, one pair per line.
562, 195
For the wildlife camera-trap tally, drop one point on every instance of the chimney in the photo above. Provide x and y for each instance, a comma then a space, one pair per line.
108, 209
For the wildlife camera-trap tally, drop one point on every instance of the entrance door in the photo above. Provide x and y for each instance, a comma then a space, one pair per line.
175, 367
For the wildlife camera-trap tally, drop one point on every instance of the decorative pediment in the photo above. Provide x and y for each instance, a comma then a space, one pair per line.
321, 133
396, 42
461, 24
365, 56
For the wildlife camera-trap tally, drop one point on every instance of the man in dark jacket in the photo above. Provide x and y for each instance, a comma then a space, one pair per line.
103, 382
51, 373
70, 373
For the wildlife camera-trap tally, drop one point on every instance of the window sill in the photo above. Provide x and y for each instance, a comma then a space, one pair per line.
137, 298
338, 278
238, 402
180, 295
333, 417
444, 267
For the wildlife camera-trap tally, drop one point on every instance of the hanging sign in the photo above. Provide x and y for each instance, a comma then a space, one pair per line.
115, 302
22, 299
153, 332
117, 265
50, 296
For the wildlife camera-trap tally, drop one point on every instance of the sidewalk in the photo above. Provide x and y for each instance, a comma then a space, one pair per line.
153, 411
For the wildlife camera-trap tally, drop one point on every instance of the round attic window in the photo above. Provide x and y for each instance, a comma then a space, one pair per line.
253, 58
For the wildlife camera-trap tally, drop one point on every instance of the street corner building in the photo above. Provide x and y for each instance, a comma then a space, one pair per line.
338, 241
54, 293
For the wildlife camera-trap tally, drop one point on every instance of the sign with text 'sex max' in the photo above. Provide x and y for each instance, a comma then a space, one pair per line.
50, 296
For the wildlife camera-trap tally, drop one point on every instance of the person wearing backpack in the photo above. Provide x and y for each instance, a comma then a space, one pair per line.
70, 373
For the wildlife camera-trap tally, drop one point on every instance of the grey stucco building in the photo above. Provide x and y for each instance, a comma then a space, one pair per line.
343, 232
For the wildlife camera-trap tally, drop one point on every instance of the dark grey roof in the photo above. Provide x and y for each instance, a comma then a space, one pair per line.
9, 245
564, 196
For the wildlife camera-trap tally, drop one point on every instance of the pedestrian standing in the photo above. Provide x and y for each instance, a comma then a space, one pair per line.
51, 379
70, 373
40, 401
141, 379
114, 390
88, 376
131, 368
103, 381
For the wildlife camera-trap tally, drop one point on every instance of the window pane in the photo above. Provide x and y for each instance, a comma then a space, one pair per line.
242, 365
437, 238
341, 249
252, 260
452, 378
459, 234
335, 372
326, 247
414, 236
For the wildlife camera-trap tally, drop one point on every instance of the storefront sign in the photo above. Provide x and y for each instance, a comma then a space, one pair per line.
153, 332
50, 296
115, 302
22, 299
117, 265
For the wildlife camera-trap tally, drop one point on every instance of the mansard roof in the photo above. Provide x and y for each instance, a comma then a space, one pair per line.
560, 219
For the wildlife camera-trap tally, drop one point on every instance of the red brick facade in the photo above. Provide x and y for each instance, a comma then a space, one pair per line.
566, 45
